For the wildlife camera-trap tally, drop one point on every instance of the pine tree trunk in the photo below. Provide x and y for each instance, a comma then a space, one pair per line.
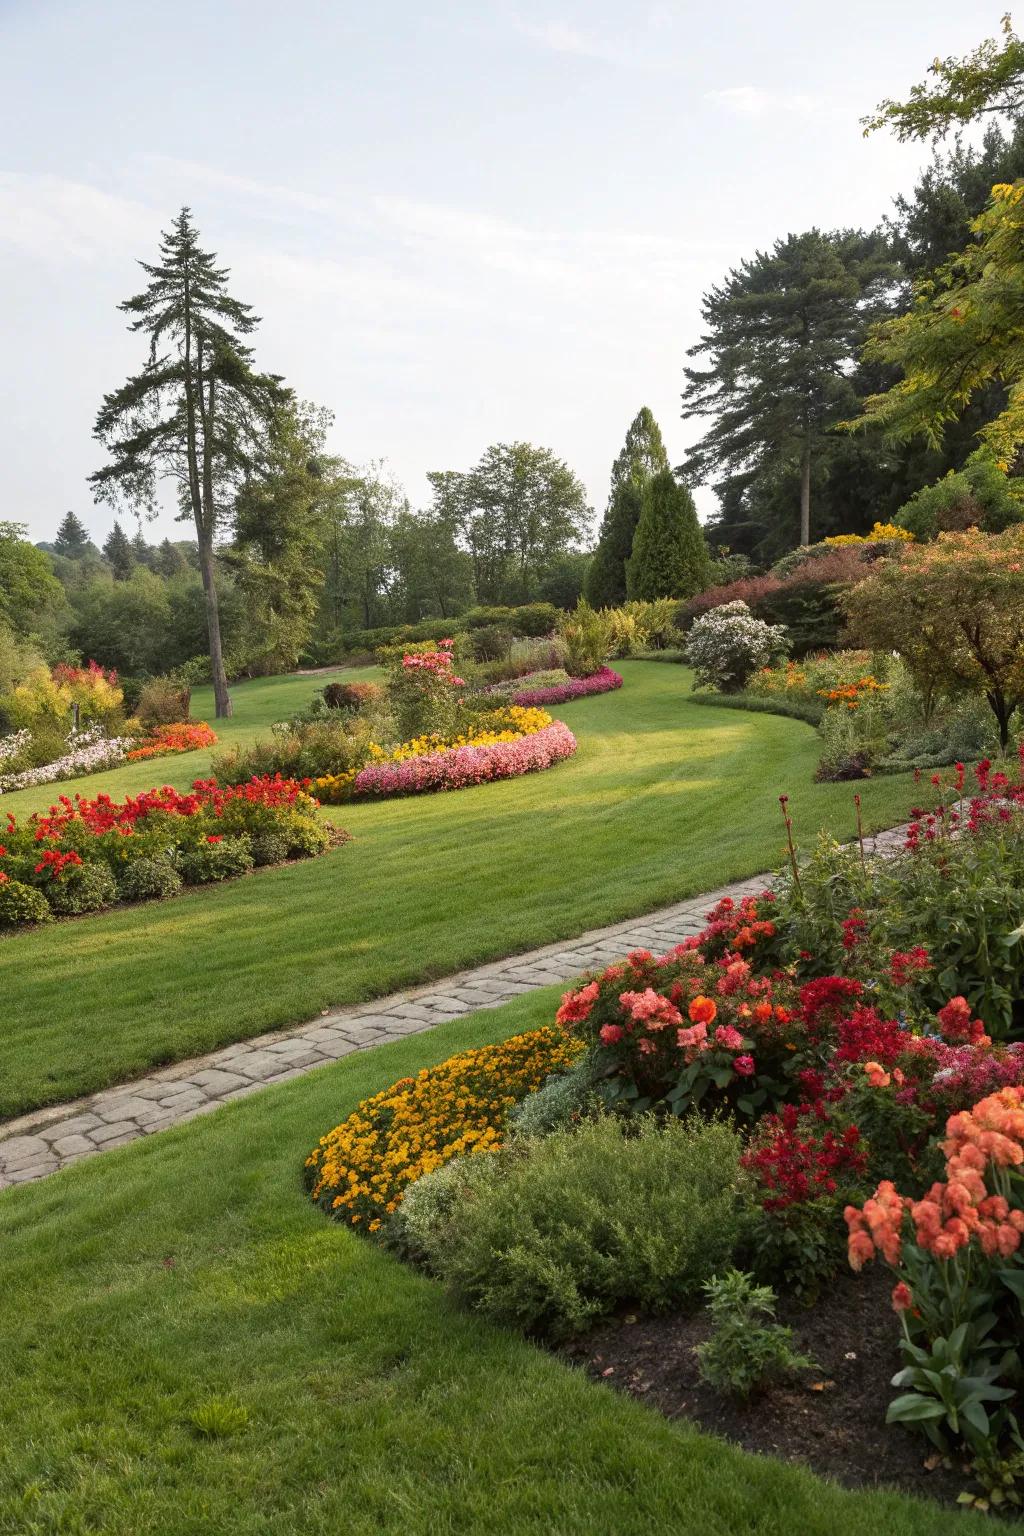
222, 706
805, 494
222, 699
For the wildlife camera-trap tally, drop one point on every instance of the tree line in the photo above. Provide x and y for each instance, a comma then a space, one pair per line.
292, 546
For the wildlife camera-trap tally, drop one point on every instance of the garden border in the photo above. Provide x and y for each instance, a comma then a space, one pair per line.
45, 1141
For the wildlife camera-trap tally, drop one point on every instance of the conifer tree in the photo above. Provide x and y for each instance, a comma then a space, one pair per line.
119, 552
670, 557
198, 414
72, 539
782, 333
643, 455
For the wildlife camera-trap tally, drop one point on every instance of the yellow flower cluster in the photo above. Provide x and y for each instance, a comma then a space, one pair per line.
362, 1168
506, 724
879, 533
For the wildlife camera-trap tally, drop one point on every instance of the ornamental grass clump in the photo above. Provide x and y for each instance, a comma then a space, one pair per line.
361, 1170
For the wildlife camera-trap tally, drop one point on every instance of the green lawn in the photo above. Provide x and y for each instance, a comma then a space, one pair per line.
189, 1270
663, 800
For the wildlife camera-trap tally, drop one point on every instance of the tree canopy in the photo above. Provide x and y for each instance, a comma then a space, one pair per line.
988, 80
963, 334
670, 557
516, 510
780, 334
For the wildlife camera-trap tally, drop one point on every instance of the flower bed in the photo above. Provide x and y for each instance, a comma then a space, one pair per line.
89, 751
83, 855
361, 1169
842, 1056
460, 767
165, 740
603, 681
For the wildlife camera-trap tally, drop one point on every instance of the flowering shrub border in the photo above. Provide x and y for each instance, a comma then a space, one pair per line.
166, 740
98, 847
603, 681
460, 767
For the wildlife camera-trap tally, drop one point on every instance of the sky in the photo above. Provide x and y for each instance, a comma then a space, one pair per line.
461, 223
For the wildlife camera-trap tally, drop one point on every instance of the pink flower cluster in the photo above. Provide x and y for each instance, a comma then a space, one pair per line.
577, 688
460, 767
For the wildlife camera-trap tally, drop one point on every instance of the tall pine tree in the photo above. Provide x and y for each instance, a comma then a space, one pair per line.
198, 414
72, 539
781, 335
670, 556
643, 455
119, 552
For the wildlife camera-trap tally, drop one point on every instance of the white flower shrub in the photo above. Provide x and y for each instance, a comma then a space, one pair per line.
13, 746
88, 751
727, 645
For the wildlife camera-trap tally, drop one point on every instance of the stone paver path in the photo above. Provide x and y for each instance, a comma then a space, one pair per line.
47, 1140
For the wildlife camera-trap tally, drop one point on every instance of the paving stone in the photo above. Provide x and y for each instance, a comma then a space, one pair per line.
32, 1171
258, 1064
73, 1126
184, 1099
103, 1135
123, 1109
409, 1011
122, 1140
216, 1081
71, 1146
21, 1150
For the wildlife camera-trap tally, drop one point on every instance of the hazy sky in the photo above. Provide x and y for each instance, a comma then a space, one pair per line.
461, 223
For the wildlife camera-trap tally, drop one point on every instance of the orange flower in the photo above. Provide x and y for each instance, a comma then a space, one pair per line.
703, 1010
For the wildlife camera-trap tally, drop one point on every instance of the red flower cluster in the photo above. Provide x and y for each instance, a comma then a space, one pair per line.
102, 814
800, 1157
91, 672
53, 863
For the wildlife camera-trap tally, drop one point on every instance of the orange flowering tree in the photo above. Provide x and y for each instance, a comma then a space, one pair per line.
954, 610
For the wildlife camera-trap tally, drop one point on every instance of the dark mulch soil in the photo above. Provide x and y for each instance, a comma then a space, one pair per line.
832, 1420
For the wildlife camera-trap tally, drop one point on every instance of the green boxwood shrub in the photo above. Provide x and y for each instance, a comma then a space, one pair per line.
81, 888
21, 903
268, 848
207, 862
147, 879
551, 1235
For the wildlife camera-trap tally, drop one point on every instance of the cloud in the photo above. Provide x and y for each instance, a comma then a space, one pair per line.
563, 37
52, 218
194, 174
751, 101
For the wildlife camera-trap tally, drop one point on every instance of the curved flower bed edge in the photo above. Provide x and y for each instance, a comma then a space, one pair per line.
602, 681
460, 767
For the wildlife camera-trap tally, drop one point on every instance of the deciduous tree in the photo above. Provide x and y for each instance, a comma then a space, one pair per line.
954, 610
